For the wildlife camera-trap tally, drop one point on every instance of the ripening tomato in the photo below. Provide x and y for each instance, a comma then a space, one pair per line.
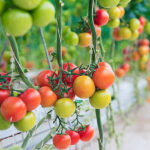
100, 99
61, 141
84, 87
122, 11
120, 73
85, 39
134, 35
43, 14
86, 134
98, 30
125, 67
75, 137
125, 33
48, 97
144, 59
13, 109
16, 22
104, 76
142, 20
109, 3
27, 123
141, 29
4, 124
142, 66
116, 35
3, 95
101, 18
135, 56
134, 24
31, 98
114, 13
65, 107
67, 67
143, 42
114, 23
42, 78
143, 50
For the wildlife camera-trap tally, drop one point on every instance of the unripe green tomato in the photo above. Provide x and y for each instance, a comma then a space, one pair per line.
2, 5
67, 57
147, 27
135, 35
7, 56
114, 13
114, 23
71, 39
134, 24
16, 22
124, 1
100, 99
43, 14
108, 3
53, 29
144, 59
4, 124
27, 4
125, 33
27, 123
65, 30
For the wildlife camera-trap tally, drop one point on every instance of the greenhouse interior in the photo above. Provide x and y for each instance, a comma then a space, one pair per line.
74, 74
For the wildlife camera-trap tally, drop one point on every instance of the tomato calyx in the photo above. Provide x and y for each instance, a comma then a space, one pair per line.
4, 80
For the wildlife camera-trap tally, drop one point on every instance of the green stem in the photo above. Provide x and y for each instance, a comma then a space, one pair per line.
14, 47
3, 50
102, 50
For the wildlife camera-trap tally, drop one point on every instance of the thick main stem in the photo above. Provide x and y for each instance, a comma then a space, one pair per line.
3, 50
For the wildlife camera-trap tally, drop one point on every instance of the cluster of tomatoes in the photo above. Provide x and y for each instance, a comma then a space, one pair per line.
19, 15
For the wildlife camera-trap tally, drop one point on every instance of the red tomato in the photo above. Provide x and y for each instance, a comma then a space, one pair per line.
120, 73
31, 98
104, 76
98, 30
87, 134
48, 97
143, 42
3, 95
65, 68
126, 67
101, 18
142, 20
116, 35
141, 28
61, 141
13, 109
75, 137
125, 51
42, 78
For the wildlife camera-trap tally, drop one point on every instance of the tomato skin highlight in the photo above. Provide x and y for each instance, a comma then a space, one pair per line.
13, 109
48, 97
75, 137
31, 98
86, 135
3, 95
104, 76
61, 141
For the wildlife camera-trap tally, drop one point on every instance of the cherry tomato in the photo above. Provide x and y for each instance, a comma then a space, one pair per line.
125, 33
31, 98
85, 39
141, 29
104, 76
120, 73
43, 14
142, 20
125, 67
27, 123
61, 141
86, 134
8, 79
101, 18
109, 3
4, 124
13, 109
98, 30
143, 50
135, 35
84, 87
3, 95
144, 59
42, 78
122, 11
114, 23
134, 24
116, 35
75, 137
16, 22
147, 27
100, 99
135, 56
27, 4
143, 42
48, 97
65, 107
114, 13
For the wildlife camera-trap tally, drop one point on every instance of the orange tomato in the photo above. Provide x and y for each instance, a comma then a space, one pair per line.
135, 56
143, 50
148, 79
141, 29
148, 100
104, 76
122, 11
84, 87
120, 73
85, 39
116, 35
98, 30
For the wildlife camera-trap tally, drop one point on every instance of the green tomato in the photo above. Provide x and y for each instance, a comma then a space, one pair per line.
16, 22
134, 24
65, 107
135, 35
65, 30
114, 23
109, 3
7, 56
144, 59
125, 33
43, 14
71, 39
4, 124
100, 99
124, 1
2, 5
27, 4
147, 27
27, 123
67, 57
114, 13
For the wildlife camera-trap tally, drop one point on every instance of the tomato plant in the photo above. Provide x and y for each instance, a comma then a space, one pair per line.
84, 39
3, 95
